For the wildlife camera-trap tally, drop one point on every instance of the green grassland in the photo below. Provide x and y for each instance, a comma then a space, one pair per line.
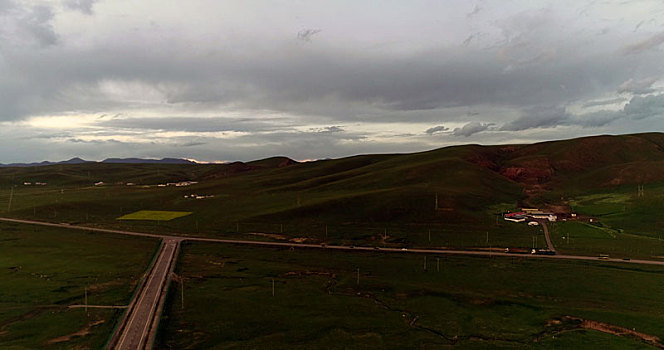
623, 210
456, 302
582, 238
386, 199
43, 271
154, 215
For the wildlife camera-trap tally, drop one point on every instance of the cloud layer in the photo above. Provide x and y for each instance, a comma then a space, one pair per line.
240, 80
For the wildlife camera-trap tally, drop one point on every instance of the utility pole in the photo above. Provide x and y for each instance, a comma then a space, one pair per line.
425, 263
11, 197
436, 207
487, 237
273, 287
437, 264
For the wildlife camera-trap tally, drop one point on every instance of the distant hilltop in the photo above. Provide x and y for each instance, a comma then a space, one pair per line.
109, 160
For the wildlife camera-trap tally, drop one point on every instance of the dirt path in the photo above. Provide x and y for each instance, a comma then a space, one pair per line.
616, 330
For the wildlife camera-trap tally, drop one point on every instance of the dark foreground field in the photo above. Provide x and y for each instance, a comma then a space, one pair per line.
403, 302
45, 270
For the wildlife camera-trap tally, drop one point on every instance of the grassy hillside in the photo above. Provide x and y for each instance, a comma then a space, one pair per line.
353, 196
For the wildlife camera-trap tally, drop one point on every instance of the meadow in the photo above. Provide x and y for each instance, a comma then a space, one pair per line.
231, 297
43, 271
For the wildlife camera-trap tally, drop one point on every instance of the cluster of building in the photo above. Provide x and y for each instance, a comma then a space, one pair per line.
530, 215
36, 184
195, 196
178, 184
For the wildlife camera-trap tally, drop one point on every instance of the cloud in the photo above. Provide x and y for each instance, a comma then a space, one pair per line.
604, 102
329, 129
26, 24
641, 107
471, 129
84, 6
307, 34
476, 9
436, 129
644, 45
638, 87
187, 71
538, 117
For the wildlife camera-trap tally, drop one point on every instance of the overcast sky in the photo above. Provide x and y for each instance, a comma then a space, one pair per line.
241, 80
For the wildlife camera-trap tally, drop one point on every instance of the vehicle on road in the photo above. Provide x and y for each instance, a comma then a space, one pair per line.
542, 252
517, 250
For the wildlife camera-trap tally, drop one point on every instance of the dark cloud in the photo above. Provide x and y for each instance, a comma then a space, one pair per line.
538, 117
476, 9
193, 144
307, 34
84, 6
644, 45
436, 129
25, 24
471, 129
638, 87
328, 129
215, 70
604, 102
641, 107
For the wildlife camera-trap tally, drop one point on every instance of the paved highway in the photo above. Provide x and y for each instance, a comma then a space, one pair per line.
337, 247
134, 334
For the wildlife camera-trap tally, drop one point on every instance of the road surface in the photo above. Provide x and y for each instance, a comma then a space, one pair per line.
549, 244
337, 247
142, 314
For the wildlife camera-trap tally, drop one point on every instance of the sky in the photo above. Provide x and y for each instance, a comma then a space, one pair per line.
248, 79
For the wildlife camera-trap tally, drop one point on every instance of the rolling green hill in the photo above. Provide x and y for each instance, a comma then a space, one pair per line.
453, 187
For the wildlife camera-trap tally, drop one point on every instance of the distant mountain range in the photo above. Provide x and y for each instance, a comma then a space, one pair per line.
109, 160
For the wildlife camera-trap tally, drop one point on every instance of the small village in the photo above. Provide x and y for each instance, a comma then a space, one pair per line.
531, 215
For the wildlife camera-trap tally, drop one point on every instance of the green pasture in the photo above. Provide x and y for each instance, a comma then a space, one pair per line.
154, 215
622, 209
45, 270
402, 301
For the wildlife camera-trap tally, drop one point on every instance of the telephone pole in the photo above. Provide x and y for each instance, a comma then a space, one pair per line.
11, 197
